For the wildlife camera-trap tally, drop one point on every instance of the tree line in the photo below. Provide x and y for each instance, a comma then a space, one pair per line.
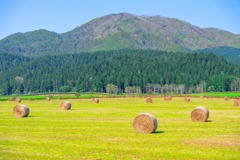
120, 71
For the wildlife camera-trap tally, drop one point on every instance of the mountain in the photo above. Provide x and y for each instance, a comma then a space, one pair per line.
119, 31
143, 69
229, 53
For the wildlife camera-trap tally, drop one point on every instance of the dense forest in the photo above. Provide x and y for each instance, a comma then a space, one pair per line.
129, 71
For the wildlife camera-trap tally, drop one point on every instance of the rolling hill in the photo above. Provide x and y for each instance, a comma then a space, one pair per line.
120, 31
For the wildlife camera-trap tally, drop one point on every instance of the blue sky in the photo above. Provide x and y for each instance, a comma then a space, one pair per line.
64, 15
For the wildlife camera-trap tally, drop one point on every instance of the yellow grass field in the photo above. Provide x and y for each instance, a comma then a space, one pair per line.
103, 131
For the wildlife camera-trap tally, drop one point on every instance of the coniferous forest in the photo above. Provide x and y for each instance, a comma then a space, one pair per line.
120, 71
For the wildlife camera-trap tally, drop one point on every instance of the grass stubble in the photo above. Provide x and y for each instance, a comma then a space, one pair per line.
104, 130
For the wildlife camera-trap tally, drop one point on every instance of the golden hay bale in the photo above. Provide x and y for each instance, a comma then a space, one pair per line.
200, 114
186, 99
169, 98
10, 99
237, 102
48, 98
149, 100
20, 111
18, 100
95, 100
145, 123
201, 96
65, 105
225, 98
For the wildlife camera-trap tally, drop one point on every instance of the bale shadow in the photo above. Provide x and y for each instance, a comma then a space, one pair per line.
209, 120
29, 116
158, 132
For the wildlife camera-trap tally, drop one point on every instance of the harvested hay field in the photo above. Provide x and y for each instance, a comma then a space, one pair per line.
21, 111
105, 131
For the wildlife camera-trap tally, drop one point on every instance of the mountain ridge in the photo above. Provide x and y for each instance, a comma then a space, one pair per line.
120, 31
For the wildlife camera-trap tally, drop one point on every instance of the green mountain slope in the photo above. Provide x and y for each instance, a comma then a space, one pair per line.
120, 31
123, 68
229, 53
10, 61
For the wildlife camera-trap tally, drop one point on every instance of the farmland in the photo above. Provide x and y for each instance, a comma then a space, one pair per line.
104, 130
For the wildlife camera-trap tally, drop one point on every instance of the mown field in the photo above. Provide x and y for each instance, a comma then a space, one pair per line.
104, 130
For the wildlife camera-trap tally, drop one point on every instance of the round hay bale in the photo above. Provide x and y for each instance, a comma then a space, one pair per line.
48, 98
18, 100
95, 100
186, 99
169, 98
145, 123
149, 100
65, 105
10, 99
201, 96
200, 114
225, 98
237, 102
20, 111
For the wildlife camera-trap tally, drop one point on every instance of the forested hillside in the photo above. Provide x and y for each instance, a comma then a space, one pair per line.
9, 61
229, 53
119, 71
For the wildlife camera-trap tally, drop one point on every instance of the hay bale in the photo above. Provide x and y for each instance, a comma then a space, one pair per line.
169, 98
237, 102
20, 111
145, 123
18, 100
48, 98
149, 100
200, 114
95, 100
186, 99
65, 105
10, 99
225, 98
201, 96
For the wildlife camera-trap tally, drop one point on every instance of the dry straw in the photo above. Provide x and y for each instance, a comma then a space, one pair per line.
18, 100
169, 98
200, 114
95, 100
237, 102
65, 105
20, 111
225, 98
149, 100
186, 99
145, 123
48, 98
